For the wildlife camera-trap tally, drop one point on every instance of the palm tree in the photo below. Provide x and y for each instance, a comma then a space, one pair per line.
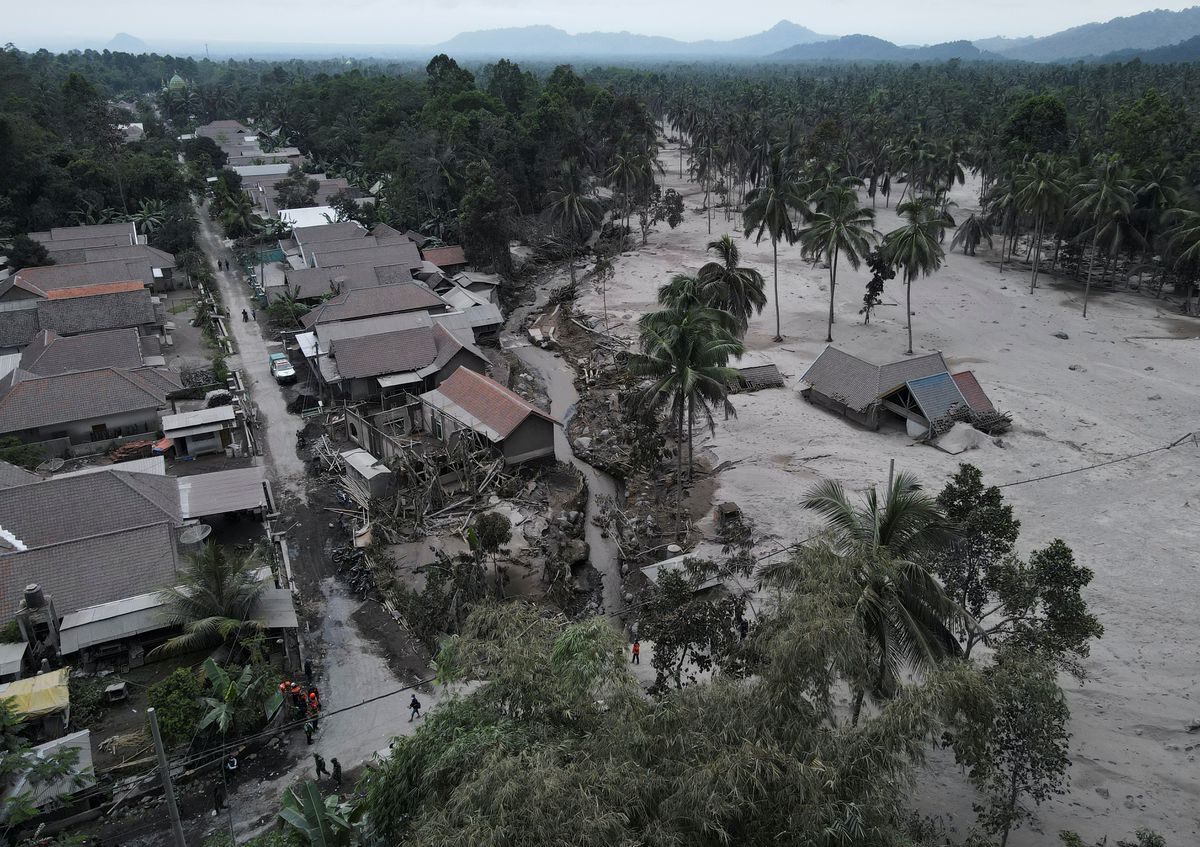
736, 290
839, 226
573, 211
914, 247
214, 604
768, 210
238, 216
1106, 202
974, 229
1041, 191
1183, 246
901, 607
685, 355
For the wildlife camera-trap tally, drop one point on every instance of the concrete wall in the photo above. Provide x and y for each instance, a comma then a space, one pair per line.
533, 439
144, 421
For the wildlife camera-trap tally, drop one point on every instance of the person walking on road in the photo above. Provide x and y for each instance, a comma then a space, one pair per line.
415, 706
245, 316
320, 763
337, 772
309, 729
637, 653
218, 795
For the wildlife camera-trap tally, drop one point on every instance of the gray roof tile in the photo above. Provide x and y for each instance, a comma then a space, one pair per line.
378, 300
385, 353
115, 310
29, 401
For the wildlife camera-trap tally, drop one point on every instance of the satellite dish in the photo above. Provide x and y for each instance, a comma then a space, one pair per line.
50, 466
194, 534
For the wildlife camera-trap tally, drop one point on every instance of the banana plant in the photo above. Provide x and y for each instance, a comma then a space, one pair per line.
319, 821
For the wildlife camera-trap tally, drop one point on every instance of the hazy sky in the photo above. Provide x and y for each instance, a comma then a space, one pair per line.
430, 21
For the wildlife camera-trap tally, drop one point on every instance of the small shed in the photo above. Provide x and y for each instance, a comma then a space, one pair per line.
43, 701
758, 377
202, 431
369, 475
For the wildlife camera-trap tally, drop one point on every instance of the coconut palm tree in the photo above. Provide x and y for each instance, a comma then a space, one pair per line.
1183, 247
914, 247
572, 208
685, 355
214, 603
839, 226
1105, 202
733, 289
902, 608
238, 216
974, 229
769, 211
1041, 190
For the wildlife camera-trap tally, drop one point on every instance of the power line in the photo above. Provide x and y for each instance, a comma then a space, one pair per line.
1175, 443
219, 752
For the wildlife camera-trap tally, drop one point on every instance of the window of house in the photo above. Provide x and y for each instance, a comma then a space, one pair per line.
437, 426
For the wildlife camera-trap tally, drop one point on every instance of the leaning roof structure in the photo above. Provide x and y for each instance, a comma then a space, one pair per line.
857, 383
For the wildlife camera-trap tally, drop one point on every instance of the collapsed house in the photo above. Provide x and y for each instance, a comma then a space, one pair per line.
919, 390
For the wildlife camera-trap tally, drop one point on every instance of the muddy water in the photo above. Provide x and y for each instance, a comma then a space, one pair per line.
560, 386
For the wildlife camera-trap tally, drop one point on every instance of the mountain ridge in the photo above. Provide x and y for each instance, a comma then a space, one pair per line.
868, 48
545, 40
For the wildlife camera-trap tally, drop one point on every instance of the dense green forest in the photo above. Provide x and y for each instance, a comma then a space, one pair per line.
469, 154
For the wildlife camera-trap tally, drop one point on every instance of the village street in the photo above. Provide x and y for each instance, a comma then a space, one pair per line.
350, 667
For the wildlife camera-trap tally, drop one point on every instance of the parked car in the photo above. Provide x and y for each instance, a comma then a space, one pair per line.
282, 369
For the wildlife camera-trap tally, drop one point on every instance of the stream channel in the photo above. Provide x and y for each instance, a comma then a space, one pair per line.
559, 378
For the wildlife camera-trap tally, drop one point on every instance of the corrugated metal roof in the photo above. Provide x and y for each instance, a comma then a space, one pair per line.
973, 392
221, 492
111, 622
936, 395
11, 656
276, 609
200, 417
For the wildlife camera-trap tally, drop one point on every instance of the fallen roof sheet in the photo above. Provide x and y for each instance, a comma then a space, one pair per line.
679, 565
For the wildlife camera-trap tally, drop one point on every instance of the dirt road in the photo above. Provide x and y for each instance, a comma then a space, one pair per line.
277, 428
356, 647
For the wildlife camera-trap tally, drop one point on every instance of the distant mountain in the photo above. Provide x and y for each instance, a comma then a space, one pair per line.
526, 41
867, 48
1000, 43
1184, 51
123, 42
1148, 30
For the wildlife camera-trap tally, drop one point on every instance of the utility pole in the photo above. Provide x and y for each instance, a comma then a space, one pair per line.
164, 771
891, 472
